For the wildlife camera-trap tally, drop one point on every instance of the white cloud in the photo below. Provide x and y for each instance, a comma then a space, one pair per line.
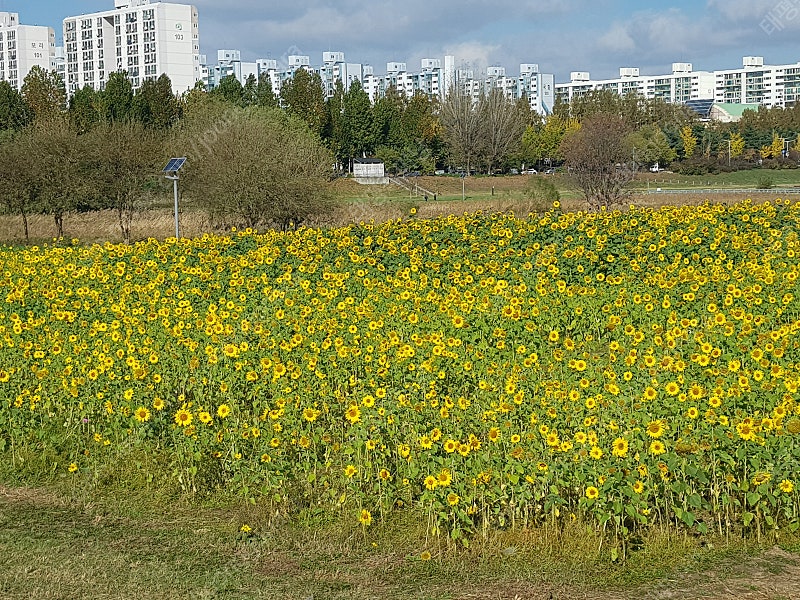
617, 39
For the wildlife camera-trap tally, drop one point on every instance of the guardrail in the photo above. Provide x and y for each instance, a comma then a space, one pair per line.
724, 191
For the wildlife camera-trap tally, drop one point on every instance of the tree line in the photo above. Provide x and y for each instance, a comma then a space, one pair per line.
262, 158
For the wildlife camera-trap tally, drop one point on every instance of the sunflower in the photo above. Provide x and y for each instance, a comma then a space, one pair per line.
620, 447
365, 518
142, 414
786, 486
183, 417
657, 447
656, 429
223, 410
592, 493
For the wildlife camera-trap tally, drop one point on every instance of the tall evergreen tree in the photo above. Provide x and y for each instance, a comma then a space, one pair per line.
85, 109
357, 117
117, 98
265, 95
230, 89
303, 97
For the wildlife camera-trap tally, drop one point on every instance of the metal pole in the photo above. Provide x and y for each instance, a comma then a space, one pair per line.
175, 188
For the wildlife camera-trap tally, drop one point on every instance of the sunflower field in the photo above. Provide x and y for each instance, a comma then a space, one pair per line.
628, 367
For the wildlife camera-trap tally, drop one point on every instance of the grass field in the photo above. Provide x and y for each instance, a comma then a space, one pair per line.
91, 545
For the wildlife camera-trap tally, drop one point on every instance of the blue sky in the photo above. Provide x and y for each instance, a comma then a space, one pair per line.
598, 36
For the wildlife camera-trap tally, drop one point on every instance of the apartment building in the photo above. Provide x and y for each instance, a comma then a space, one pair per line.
23, 47
753, 83
141, 38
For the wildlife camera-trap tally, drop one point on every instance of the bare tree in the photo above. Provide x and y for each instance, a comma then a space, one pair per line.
462, 127
598, 157
502, 124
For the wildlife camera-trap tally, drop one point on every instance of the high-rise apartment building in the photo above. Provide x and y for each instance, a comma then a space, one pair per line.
143, 39
23, 47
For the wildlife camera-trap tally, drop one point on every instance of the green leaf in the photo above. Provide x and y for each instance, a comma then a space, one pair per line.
747, 518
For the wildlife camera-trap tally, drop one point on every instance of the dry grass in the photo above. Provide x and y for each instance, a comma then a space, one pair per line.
359, 203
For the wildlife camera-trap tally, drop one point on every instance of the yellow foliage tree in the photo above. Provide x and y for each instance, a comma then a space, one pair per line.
774, 149
689, 141
737, 145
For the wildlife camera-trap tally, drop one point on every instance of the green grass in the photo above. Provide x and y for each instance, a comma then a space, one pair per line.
116, 543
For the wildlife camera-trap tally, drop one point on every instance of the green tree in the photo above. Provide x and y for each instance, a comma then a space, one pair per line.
387, 119
651, 146
14, 112
250, 91
155, 105
117, 98
304, 97
85, 109
44, 94
265, 95
267, 169
123, 159
335, 133
56, 161
357, 120
230, 90
18, 184
544, 141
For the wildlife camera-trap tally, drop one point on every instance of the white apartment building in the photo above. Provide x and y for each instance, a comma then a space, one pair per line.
23, 47
141, 38
681, 85
753, 83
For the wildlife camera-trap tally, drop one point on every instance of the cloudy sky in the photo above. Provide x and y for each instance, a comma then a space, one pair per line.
598, 36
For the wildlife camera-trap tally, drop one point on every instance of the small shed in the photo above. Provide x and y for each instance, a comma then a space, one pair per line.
369, 170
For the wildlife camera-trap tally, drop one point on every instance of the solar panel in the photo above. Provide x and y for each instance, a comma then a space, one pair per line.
174, 165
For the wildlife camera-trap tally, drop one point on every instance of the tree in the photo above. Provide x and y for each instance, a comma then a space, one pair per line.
543, 142
230, 90
123, 161
85, 109
117, 98
688, 140
502, 125
774, 149
597, 157
335, 133
250, 91
44, 94
736, 145
55, 169
651, 145
265, 95
304, 97
462, 128
387, 115
267, 169
357, 118
18, 191
14, 113
155, 105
